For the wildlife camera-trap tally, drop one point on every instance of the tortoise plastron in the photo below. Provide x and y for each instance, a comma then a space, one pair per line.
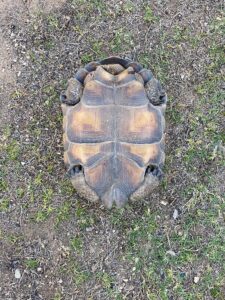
114, 131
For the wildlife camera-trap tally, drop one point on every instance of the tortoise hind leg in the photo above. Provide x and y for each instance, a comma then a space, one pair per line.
154, 90
76, 174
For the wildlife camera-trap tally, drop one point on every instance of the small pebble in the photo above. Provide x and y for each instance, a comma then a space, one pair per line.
39, 269
17, 274
196, 279
175, 214
89, 229
136, 260
164, 203
171, 252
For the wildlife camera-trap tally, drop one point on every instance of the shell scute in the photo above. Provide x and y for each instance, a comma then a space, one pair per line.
88, 153
97, 94
132, 94
142, 154
121, 172
142, 125
87, 124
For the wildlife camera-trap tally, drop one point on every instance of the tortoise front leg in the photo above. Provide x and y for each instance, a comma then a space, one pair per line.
74, 90
155, 92
153, 88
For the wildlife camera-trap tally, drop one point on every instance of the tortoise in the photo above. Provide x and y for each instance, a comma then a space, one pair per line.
114, 131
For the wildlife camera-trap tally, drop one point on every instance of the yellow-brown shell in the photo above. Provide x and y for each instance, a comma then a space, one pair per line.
114, 132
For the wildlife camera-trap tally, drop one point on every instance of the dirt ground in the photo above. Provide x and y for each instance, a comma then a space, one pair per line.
55, 246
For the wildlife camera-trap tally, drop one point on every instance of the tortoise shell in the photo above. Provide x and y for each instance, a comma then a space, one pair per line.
114, 131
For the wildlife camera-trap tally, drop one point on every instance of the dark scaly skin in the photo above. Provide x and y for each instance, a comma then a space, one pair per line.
73, 93
114, 133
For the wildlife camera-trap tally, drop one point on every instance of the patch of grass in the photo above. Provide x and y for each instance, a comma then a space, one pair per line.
216, 292
108, 283
144, 59
57, 296
77, 272
63, 213
86, 58
183, 35
100, 5
128, 7
6, 133
91, 6
122, 41
97, 48
3, 182
205, 122
53, 22
179, 34
117, 217
47, 196
149, 16
76, 244
207, 131
4, 205
51, 96
31, 264
66, 188
32, 56
20, 192
17, 94
14, 239
80, 276
170, 257
42, 215
158, 61
106, 280
38, 180
84, 219
49, 44
46, 208
13, 150
174, 114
